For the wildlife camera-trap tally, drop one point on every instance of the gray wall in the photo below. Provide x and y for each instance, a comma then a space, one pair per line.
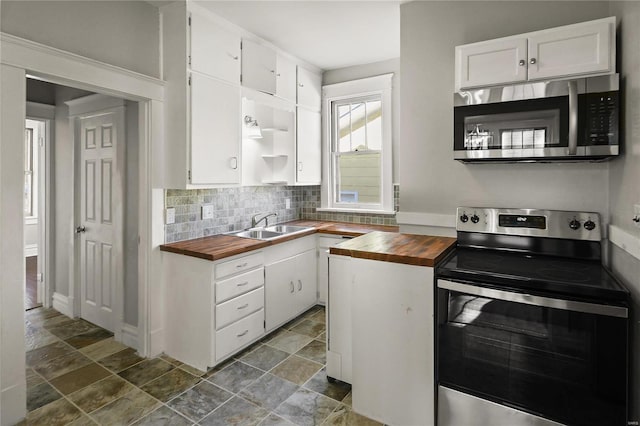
431, 181
624, 176
369, 70
122, 33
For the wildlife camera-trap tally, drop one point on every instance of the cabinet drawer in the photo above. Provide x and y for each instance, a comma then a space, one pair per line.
239, 284
238, 334
239, 264
239, 307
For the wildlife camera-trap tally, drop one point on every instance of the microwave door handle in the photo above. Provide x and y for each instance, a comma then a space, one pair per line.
529, 299
573, 117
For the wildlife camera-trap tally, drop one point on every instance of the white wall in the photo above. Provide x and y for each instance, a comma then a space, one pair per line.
624, 177
12, 264
131, 217
122, 33
369, 70
430, 180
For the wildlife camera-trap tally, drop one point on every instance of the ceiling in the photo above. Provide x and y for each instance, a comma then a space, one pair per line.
329, 34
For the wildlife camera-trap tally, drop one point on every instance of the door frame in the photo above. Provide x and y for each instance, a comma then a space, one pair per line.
61, 67
45, 113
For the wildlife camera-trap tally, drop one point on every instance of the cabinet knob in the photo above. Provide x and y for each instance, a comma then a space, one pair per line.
300, 84
235, 57
532, 61
234, 163
273, 71
278, 75
300, 166
522, 62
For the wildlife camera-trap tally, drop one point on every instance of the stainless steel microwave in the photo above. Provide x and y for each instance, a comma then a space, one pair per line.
569, 120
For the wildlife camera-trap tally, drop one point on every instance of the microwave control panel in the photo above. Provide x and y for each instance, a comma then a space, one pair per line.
601, 118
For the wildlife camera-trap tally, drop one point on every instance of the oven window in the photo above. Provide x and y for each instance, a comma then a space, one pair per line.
563, 365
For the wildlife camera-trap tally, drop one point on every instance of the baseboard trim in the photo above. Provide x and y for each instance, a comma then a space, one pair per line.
625, 240
12, 402
30, 250
63, 304
130, 336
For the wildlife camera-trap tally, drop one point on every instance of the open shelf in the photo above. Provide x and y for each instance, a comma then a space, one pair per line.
275, 182
275, 156
275, 129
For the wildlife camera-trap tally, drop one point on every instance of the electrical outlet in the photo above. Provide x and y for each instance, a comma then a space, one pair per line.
207, 211
170, 216
636, 215
287, 203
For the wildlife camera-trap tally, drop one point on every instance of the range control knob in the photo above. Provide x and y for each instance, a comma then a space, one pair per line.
475, 218
464, 218
589, 225
574, 224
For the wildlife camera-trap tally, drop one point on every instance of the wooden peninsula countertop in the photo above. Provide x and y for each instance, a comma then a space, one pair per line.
421, 250
218, 247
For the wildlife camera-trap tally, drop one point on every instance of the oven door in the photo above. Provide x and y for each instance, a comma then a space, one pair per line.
556, 359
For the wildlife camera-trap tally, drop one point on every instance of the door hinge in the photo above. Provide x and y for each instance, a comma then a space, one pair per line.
189, 80
240, 78
189, 175
264, 324
40, 277
189, 60
41, 141
189, 20
318, 252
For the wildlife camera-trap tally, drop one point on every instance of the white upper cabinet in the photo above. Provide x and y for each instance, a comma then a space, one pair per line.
285, 79
215, 51
573, 50
308, 145
587, 48
258, 67
492, 62
309, 89
215, 131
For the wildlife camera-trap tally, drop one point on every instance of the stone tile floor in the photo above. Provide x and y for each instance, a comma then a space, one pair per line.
78, 375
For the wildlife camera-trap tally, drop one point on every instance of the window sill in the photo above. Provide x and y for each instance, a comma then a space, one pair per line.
363, 211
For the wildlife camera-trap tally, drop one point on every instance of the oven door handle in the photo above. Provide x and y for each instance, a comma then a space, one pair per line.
528, 299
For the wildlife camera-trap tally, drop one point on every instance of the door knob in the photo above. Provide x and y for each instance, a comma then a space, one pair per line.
80, 229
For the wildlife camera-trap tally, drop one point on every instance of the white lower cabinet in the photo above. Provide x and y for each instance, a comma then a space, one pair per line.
324, 244
290, 281
239, 334
386, 337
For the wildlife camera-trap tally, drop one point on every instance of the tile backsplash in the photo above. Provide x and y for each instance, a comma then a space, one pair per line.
234, 207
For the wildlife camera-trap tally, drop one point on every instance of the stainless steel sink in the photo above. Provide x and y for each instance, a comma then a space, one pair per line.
269, 233
257, 234
287, 229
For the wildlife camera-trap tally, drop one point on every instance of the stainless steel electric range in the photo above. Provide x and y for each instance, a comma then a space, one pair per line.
531, 329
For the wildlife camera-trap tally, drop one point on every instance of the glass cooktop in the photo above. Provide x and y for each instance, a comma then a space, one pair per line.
537, 273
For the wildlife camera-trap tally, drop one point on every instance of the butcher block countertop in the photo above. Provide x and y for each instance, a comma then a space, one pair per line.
421, 250
220, 246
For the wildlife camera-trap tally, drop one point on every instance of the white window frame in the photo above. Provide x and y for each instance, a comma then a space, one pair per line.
379, 85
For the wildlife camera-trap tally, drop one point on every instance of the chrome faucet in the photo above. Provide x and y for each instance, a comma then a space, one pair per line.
256, 219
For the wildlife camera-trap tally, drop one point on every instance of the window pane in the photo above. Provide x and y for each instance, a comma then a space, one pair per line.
344, 128
358, 132
358, 178
374, 125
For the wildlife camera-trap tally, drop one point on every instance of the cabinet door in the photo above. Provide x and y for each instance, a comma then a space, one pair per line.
215, 51
215, 131
258, 67
308, 145
306, 280
309, 89
280, 292
491, 62
571, 50
285, 79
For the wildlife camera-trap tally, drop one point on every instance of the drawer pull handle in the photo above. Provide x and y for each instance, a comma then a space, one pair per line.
242, 265
243, 333
246, 305
293, 288
299, 285
243, 284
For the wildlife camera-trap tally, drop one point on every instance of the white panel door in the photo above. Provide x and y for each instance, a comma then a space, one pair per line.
571, 50
492, 62
258, 67
309, 89
285, 78
215, 51
100, 230
215, 131
309, 150
280, 292
306, 280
